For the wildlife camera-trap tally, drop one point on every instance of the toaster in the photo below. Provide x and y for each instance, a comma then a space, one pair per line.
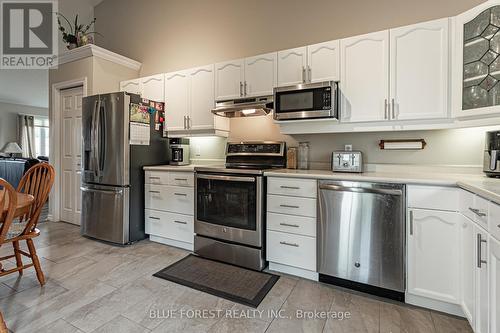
347, 161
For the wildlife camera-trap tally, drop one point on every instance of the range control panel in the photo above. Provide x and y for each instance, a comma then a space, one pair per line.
347, 161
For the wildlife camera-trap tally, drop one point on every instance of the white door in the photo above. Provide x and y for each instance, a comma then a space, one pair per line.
202, 97
494, 262
71, 157
153, 88
229, 79
261, 74
434, 254
364, 77
419, 71
482, 290
176, 100
292, 66
323, 61
468, 268
131, 86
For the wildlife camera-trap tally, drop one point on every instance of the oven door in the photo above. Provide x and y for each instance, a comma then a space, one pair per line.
314, 100
229, 207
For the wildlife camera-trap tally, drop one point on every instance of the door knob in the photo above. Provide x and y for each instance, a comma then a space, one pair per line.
357, 264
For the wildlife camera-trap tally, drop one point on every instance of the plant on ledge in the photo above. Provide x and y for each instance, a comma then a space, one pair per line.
76, 35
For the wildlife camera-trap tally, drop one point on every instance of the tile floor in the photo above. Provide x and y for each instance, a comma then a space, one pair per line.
94, 287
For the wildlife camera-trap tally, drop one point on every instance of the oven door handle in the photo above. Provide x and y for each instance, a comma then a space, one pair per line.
227, 178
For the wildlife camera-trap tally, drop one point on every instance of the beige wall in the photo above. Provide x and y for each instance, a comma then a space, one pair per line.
167, 35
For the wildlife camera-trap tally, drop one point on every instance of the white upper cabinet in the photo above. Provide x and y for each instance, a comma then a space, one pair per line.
229, 79
292, 66
260, 75
364, 77
476, 66
153, 88
202, 97
433, 256
131, 86
323, 63
419, 71
177, 100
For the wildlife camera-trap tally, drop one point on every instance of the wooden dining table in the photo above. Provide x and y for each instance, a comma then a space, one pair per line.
24, 202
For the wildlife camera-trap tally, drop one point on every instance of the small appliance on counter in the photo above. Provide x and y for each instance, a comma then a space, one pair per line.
491, 167
347, 161
179, 151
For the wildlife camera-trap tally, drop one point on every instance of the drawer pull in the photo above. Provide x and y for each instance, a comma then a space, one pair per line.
477, 212
289, 244
154, 192
181, 222
181, 179
181, 194
154, 218
154, 177
289, 206
289, 225
290, 187
498, 225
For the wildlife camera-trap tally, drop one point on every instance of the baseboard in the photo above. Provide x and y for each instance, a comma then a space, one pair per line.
303, 273
441, 306
172, 242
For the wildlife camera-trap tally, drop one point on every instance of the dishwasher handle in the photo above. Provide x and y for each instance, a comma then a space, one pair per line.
330, 187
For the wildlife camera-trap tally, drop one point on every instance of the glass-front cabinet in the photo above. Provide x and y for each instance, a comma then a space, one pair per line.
477, 61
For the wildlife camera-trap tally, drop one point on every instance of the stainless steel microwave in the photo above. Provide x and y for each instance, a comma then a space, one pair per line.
304, 101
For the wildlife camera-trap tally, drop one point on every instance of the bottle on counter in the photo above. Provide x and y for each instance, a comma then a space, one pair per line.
291, 158
303, 160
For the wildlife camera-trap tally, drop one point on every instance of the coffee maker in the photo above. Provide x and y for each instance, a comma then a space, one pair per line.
491, 166
179, 151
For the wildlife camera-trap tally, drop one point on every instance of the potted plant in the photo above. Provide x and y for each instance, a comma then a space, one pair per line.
76, 35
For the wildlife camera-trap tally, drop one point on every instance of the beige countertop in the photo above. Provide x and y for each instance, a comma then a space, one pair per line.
185, 168
479, 184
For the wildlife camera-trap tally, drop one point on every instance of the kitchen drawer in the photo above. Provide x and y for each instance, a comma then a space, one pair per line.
176, 199
181, 179
494, 220
291, 205
300, 225
169, 225
466, 201
156, 177
292, 186
292, 250
433, 197
481, 211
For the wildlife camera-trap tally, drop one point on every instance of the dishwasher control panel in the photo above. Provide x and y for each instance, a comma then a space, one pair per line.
347, 161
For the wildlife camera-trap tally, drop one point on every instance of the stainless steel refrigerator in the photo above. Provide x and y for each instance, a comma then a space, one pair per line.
112, 169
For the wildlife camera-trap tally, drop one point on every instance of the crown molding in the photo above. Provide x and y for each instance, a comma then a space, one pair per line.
91, 50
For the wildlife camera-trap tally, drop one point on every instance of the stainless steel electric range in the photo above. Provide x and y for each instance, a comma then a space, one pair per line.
230, 204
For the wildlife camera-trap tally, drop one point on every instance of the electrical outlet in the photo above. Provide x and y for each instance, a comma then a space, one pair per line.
197, 151
348, 147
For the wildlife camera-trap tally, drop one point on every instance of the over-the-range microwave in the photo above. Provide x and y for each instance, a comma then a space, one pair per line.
308, 100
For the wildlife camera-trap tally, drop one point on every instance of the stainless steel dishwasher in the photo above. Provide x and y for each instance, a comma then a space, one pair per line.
361, 242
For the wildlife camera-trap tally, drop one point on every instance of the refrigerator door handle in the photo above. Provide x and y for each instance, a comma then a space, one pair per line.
94, 137
102, 137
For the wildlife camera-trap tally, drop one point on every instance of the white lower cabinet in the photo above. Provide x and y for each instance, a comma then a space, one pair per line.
482, 287
291, 226
467, 234
494, 284
169, 203
433, 256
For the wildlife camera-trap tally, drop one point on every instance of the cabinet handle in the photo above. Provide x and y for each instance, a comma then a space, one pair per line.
154, 218
393, 109
184, 179
411, 222
498, 225
309, 74
289, 206
303, 74
154, 177
241, 89
245, 90
480, 261
181, 194
385, 109
290, 187
154, 192
289, 225
477, 212
180, 222
290, 244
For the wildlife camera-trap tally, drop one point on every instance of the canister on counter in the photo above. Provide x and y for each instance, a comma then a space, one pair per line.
291, 158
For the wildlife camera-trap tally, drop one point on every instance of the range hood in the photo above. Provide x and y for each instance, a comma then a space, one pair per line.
244, 107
